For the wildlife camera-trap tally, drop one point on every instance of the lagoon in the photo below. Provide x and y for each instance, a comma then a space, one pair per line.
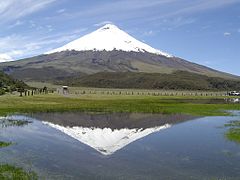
122, 146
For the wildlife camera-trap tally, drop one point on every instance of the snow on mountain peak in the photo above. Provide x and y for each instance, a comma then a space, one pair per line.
108, 37
108, 27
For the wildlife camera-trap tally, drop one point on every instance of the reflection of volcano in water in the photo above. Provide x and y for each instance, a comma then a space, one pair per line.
111, 132
106, 140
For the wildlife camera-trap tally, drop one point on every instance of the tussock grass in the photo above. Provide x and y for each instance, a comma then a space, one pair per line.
4, 144
8, 172
97, 103
233, 133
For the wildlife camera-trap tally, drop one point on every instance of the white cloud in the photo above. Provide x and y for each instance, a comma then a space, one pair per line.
121, 9
187, 8
60, 11
103, 23
148, 33
17, 47
207, 63
227, 34
5, 58
203, 5
177, 22
17, 23
14, 9
32, 24
50, 28
143, 11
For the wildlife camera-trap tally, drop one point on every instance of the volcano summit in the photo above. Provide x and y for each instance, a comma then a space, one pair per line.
108, 38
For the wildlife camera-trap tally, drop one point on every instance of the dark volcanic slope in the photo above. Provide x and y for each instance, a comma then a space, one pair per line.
76, 63
113, 121
179, 80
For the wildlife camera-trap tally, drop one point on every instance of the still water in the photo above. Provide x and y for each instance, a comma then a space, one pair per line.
121, 146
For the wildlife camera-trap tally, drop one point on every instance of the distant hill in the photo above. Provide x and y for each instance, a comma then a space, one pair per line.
8, 84
180, 80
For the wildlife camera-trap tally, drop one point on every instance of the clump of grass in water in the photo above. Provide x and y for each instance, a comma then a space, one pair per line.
12, 172
4, 144
15, 173
9, 122
233, 133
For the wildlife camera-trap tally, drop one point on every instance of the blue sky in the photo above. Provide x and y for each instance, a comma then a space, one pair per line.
202, 31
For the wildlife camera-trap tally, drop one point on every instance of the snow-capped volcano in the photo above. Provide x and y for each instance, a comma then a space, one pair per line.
109, 37
90, 60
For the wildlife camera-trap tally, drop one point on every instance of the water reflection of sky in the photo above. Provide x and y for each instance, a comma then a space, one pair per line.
191, 147
233, 100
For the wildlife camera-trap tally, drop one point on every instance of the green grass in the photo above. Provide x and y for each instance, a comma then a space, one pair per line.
115, 103
4, 144
9, 122
233, 133
8, 172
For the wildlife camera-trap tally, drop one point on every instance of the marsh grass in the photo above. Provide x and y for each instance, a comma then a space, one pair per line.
4, 144
9, 122
233, 133
8, 172
97, 103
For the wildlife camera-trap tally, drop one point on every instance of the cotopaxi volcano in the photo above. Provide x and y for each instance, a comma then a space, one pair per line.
108, 49
108, 38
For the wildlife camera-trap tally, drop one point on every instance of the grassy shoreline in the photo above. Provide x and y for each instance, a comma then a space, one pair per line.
95, 103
